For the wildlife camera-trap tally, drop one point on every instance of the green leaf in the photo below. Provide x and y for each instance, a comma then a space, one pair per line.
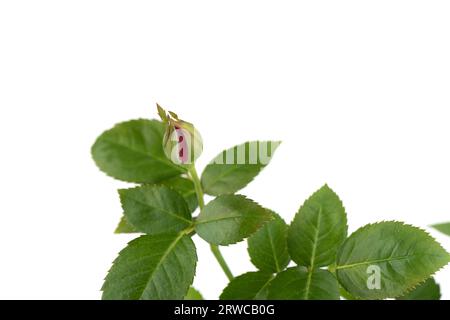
155, 209
186, 188
125, 227
183, 186
132, 151
236, 167
318, 229
400, 256
300, 284
428, 290
162, 113
229, 219
152, 268
193, 294
248, 286
346, 295
443, 227
268, 246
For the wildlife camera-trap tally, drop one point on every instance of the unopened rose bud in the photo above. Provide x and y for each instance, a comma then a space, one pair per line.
182, 143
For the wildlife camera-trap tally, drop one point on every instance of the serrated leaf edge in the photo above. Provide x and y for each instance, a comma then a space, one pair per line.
154, 186
266, 285
274, 215
321, 189
261, 167
270, 218
409, 289
181, 169
173, 244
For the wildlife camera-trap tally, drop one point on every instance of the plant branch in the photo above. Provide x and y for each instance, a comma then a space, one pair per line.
201, 203
198, 187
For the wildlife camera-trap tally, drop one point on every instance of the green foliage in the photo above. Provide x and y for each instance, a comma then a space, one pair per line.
405, 256
236, 167
132, 151
443, 227
301, 284
318, 229
344, 294
378, 261
184, 187
193, 294
229, 219
125, 227
155, 209
249, 286
268, 246
428, 290
152, 267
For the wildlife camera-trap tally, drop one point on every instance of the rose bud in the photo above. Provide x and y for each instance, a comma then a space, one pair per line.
182, 143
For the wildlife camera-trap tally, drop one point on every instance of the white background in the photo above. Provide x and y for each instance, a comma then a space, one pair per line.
357, 90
